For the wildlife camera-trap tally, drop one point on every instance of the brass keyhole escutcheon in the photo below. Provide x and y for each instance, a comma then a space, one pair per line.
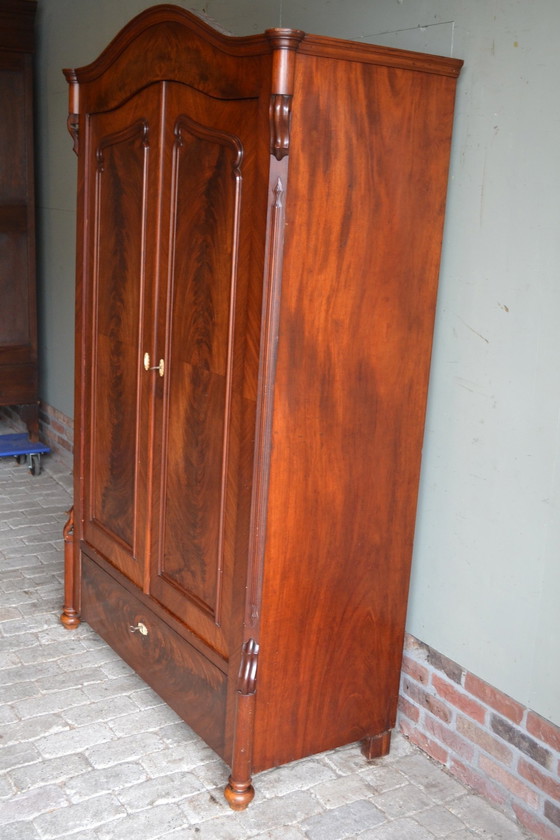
139, 628
148, 366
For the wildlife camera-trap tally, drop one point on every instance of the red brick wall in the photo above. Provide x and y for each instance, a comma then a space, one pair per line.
56, 430
495, 745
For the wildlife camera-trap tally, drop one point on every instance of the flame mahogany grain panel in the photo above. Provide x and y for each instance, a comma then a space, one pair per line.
120, 203
368, 169
210, 298
120, 186
259, 232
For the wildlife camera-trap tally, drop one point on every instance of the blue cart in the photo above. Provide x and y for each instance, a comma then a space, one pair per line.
19, 446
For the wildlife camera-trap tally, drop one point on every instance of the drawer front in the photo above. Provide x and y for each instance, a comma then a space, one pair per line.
181, 675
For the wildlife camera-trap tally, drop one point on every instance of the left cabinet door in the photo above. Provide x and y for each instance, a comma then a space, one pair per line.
119, 273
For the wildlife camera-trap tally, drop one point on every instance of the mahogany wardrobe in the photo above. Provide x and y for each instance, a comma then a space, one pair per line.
259, 232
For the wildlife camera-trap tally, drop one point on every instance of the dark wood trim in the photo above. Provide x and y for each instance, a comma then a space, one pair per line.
272, 289
70, 617
319, 45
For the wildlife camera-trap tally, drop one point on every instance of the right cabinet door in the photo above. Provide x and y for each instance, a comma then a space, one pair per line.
205, 401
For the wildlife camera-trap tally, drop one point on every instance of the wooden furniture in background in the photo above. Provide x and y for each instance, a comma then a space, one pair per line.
259, 233
18, 306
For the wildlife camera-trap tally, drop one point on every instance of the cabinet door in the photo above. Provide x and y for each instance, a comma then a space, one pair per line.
119, 273
206, 403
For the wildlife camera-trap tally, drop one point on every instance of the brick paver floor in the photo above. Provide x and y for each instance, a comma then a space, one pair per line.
88, 751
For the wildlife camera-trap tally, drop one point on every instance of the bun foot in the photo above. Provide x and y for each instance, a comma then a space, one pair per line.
238, 795
70, 619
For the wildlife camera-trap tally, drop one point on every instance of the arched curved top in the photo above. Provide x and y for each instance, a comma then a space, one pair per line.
181, 19
169, 43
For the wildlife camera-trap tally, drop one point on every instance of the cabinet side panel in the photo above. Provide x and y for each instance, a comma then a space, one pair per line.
368, 171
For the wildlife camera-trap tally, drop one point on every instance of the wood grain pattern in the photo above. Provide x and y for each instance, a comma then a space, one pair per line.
120, 275
186, 680
349, 399
120, 194
202, 414
182, 48
339, 48
206, 168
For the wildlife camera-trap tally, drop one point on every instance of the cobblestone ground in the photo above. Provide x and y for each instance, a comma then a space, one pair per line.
88, 751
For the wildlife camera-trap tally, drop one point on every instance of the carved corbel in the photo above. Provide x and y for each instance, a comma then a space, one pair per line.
284, 45
247, 681
73, 124
280, 118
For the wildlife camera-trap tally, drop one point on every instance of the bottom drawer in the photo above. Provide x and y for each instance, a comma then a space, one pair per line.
182, 676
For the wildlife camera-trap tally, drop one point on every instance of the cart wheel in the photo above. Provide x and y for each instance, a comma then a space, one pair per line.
20, 459
35, 465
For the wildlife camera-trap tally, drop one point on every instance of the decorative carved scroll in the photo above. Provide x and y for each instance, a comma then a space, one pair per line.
280, 117
211, 135
140, 127
284, 44
248, 668
73, 124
